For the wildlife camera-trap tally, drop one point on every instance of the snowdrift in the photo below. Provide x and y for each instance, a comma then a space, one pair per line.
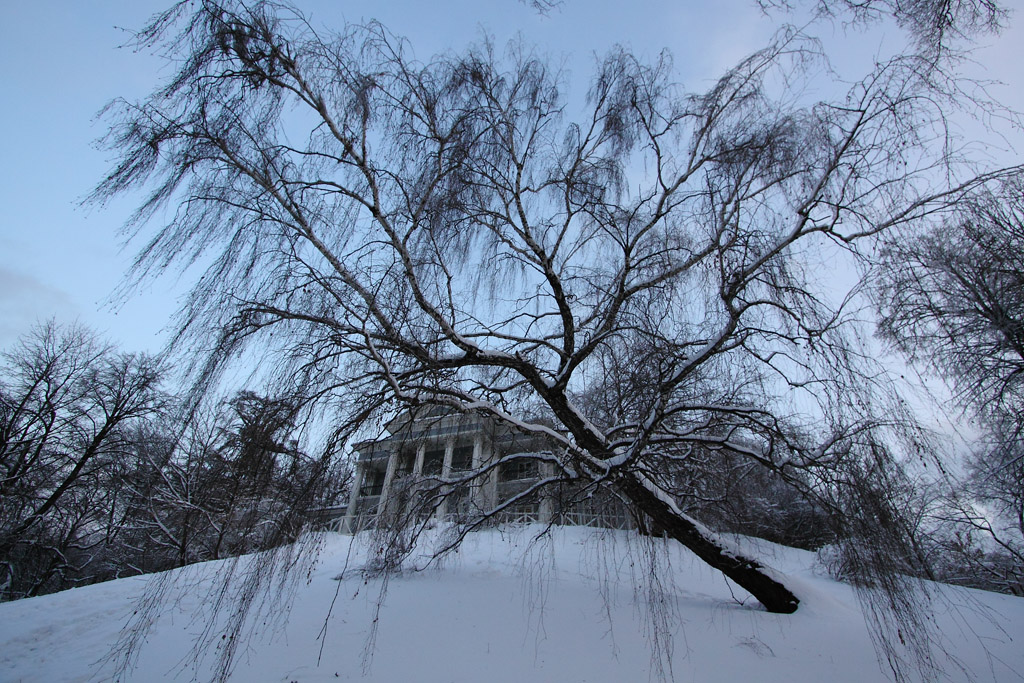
576, 604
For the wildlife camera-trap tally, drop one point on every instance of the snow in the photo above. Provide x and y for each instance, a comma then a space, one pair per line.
574, 605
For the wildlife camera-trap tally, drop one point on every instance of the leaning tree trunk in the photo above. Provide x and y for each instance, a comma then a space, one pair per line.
747, 573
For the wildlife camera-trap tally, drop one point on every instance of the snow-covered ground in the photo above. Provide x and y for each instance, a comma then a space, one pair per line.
573, 606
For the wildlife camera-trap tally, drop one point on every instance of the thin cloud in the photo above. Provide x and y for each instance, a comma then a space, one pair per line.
24, 300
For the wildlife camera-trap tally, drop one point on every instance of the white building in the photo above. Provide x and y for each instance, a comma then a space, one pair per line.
440, 460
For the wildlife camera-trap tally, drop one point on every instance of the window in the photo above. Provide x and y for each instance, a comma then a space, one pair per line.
432, 462
373, 483
462, 459
404, 465
514, 470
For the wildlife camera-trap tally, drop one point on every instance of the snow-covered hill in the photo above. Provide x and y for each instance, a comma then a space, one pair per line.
575, 605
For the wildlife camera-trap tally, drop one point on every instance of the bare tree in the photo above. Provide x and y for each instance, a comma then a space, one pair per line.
953, 301
225, 481
936, 25
66, 402
398, 233
103, 477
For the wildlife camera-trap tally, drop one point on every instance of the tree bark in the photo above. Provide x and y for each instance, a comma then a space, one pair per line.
747, 573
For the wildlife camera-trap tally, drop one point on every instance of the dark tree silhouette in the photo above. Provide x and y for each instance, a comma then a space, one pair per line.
67, 403
937, 26
953, 301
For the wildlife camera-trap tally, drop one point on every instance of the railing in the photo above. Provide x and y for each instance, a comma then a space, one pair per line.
610, 519
517, 517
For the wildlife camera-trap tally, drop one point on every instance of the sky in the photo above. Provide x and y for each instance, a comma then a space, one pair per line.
64, 61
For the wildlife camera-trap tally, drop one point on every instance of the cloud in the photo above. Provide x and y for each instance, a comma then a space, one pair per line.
24, 300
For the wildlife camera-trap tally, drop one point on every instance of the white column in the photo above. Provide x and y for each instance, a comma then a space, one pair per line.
478, 460
446, 471
547, 500
491, 484
478, 451
417, 467
446, 466
389, 476
353, 498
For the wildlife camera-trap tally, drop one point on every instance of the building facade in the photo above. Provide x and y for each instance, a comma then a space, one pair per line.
455, 466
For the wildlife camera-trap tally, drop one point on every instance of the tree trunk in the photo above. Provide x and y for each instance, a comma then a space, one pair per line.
747, 573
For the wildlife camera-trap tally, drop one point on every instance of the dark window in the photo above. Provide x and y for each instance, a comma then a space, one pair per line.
432, 462
462, 459
404, 465
373, 483
514, 470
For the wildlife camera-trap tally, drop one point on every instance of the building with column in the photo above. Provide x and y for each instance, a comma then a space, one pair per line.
458, 466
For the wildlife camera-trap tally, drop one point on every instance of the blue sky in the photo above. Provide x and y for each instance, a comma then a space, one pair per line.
63, 63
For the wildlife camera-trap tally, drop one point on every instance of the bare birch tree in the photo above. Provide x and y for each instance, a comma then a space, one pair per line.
401, 233
229, 480
953, 301
938, 27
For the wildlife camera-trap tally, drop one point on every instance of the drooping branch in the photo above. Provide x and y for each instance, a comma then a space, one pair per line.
410, 234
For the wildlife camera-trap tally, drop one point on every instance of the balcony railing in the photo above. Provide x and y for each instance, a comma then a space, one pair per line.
367, 518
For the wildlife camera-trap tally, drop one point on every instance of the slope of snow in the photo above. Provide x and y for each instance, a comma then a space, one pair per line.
574, 606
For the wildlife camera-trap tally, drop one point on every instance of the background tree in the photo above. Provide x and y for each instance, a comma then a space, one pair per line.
104, 475
938, 27
953, 301
67, 402
231, 480
393, 233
